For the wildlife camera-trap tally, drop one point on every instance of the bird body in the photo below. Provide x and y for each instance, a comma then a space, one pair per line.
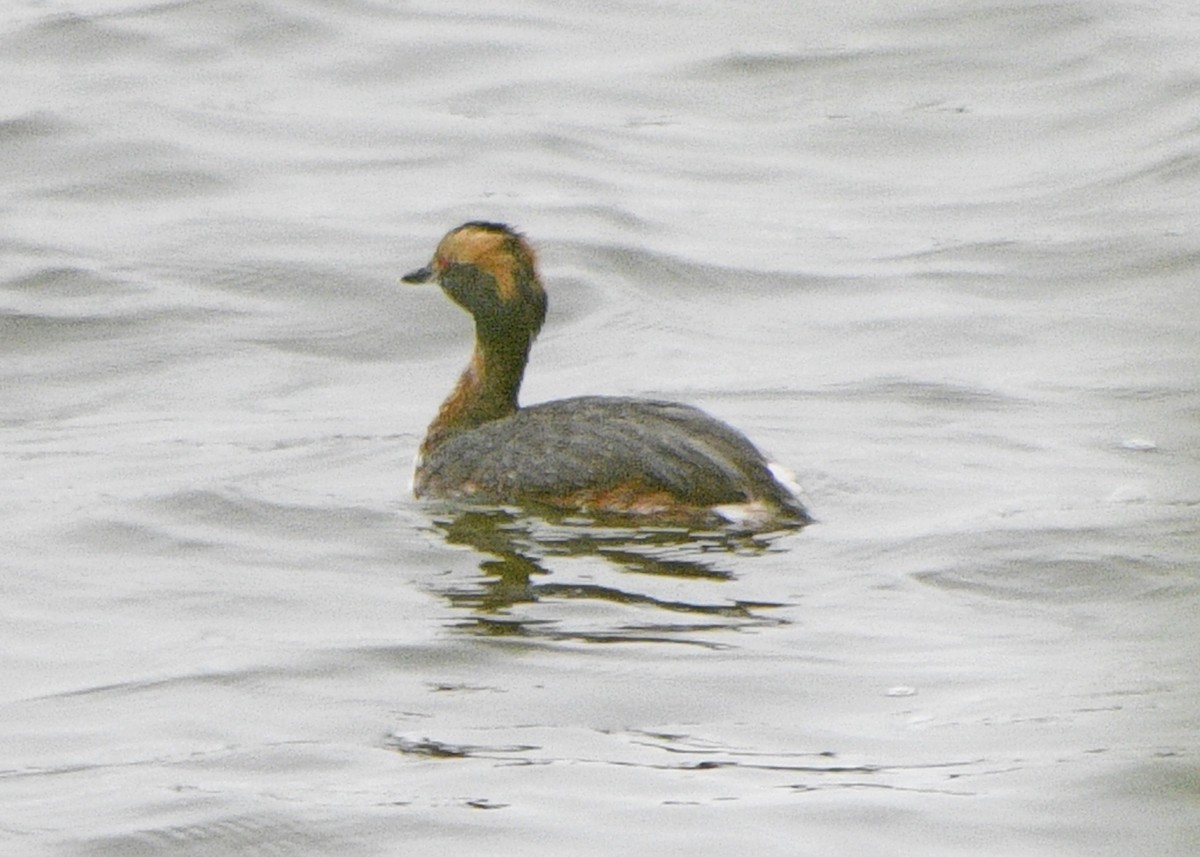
594, 454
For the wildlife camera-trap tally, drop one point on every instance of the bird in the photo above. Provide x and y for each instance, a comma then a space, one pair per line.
641, 459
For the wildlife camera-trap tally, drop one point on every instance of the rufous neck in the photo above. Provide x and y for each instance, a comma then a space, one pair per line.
487, 390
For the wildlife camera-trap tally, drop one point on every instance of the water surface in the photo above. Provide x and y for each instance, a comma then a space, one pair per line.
941, 261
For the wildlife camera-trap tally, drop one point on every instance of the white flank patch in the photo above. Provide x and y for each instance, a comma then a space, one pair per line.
412, 474
751, 515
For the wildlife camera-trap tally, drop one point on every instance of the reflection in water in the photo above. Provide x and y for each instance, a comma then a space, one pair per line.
528, 588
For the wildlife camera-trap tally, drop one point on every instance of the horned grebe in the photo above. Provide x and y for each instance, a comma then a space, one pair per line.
594, 454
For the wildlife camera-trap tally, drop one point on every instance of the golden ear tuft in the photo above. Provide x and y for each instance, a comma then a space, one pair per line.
493, 247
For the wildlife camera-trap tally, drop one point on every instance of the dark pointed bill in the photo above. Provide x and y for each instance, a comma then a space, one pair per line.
421, 275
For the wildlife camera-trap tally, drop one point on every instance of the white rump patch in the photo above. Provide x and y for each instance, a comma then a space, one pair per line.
785, 477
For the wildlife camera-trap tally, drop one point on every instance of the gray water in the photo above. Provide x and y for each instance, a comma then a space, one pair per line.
940, 258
